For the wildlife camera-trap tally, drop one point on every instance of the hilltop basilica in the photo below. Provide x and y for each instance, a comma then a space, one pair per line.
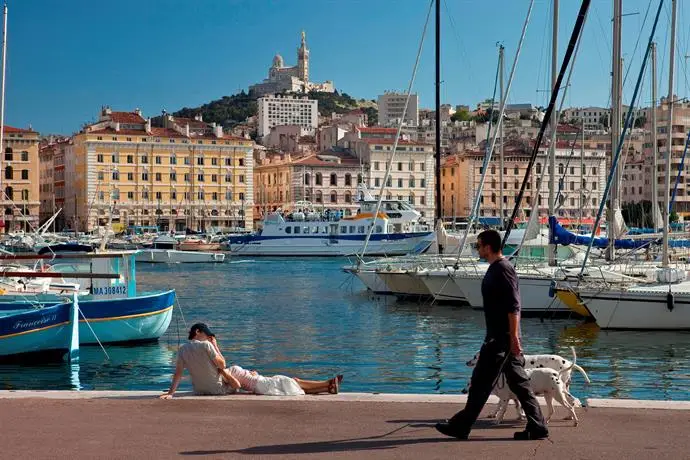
293, 79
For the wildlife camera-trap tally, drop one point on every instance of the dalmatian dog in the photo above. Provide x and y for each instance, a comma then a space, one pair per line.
554, 362
545, 382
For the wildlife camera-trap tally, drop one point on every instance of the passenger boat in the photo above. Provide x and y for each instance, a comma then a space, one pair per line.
397, 230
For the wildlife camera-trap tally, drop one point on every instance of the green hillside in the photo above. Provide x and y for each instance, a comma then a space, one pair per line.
231, 110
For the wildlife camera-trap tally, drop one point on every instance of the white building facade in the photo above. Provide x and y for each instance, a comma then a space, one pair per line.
392, 109
275, 110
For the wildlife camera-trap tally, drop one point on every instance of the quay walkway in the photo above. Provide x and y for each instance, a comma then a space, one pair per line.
129, 424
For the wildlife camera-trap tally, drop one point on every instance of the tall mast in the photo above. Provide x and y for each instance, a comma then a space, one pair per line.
582, 171
438, 111
655, 157
553, 122
669, 145
500, 124
2, 97
615, 124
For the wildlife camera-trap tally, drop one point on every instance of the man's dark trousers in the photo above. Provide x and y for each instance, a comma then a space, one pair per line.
492, 357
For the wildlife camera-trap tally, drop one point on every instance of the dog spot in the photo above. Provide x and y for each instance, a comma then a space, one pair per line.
532, 363
541, 365
563, 361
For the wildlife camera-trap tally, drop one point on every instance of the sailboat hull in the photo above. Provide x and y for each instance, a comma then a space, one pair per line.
646, 310
404, 284
442, 286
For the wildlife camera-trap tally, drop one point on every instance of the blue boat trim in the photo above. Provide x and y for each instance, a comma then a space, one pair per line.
33, 320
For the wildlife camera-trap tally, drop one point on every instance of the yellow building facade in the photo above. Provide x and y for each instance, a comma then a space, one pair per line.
185, 175
19, 179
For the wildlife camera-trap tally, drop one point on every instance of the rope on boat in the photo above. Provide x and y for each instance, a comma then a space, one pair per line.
94, 333
179, 307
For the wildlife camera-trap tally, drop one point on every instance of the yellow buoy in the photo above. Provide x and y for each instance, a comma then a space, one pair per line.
573, 301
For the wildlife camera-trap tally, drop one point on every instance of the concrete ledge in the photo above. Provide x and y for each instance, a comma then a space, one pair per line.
342, 397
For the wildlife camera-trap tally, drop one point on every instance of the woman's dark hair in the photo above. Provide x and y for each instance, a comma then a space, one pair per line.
490, 238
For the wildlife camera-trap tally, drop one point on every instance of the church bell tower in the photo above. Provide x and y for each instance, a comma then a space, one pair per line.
303, 59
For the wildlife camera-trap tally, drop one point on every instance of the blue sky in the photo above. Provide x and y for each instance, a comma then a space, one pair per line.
67, 58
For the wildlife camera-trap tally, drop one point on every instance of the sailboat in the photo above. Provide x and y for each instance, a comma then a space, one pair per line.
664, 303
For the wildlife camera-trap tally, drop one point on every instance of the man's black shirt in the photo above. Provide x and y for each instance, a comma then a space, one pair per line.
501, 296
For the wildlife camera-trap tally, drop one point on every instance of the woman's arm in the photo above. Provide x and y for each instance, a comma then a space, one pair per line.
179, 369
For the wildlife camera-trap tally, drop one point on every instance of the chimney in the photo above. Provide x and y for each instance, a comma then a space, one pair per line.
137, 111
199, 117
218, 131
186, 130
148, 126
117, 126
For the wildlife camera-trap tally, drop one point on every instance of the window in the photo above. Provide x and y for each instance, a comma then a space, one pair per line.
343, 229
319, 179
410, 166
297, 230
348, 197
228, 162
115, 157
377, 182
411, 199
422, 183
214, 196
334, 197
159, 160
25, 195
144, 176
145, 194
200, 161
8, 154
99, 158
360, 229
376, 166
241, 162
400, 166
186, 160
173, 195
516, 170
214, 161
228, 178
319, 197
214, 178
159, 176
594, 171
173, 160
241, 179
538, 168
561, 168
389, 182
130, 195
334, 179
173, 177
241, 197
288, 230
144, 159
116, 175
412, 182
101, 195
100, 174
130, 176
200, 195
9, 193
493, 169
200, 177
228, 195
187, 177
159, 196
400, 183
130, 159
422, 167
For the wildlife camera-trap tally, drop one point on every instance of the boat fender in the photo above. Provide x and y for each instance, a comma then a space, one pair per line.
670, 301
552, 289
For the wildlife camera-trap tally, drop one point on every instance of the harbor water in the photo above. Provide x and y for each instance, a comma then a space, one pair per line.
307, 318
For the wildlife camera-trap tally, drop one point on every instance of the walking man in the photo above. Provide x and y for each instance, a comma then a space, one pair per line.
501, 351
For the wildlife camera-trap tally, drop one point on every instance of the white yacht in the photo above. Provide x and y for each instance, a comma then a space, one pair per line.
164, 251
397, 230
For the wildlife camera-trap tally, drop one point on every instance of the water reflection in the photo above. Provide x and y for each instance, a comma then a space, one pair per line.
308, 318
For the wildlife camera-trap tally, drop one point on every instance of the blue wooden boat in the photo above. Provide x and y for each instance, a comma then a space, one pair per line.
112, 309
40, 334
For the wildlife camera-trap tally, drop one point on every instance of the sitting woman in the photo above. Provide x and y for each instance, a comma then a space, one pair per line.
203, 360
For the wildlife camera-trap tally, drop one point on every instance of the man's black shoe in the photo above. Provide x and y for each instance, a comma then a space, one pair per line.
448, 430
528, 435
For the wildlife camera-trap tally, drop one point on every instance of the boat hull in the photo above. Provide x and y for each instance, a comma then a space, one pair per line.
145, 317
404, 284
379, 245
173, 256
442, 287
42, 334
371, 280
637, 310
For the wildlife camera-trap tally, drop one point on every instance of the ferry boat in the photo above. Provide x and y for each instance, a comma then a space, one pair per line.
398, 229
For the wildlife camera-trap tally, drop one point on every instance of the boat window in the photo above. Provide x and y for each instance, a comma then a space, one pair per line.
379, 229
288, 230
390, 228
296, 230
360, 229
306, 230
316, 230
352, 229
324, 230
343, 229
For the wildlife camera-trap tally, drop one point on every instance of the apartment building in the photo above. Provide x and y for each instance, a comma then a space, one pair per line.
52, 179
187, 174
277, 110
391, 109
19, 179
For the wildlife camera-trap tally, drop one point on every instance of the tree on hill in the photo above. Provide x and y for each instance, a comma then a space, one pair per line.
461, 115
227, 111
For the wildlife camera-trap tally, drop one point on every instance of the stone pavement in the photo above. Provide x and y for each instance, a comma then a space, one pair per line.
137, 425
